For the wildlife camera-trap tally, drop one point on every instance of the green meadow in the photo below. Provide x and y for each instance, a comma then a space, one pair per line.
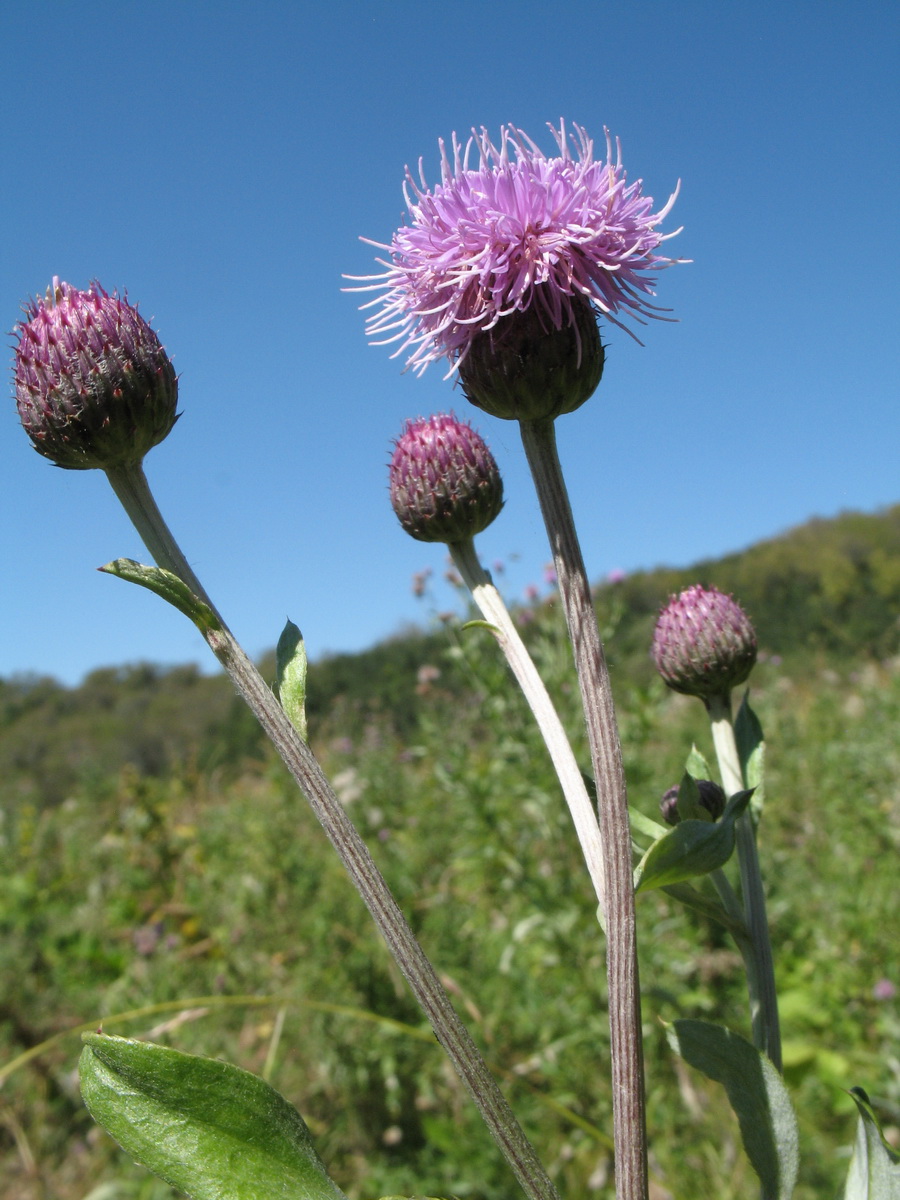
163, 878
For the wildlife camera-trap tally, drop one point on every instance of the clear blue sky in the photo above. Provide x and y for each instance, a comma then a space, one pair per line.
220, 160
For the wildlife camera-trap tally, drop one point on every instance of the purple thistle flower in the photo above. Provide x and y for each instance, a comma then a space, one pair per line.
445, 484
94, 386
519, 230
704, 643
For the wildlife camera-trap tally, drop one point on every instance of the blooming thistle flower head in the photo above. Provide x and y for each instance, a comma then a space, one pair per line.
445, 485
704, 644
94, 386
518, 232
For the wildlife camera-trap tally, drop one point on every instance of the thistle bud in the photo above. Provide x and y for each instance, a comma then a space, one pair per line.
525, 369
704, 644
94, 386
711, 796
445, 485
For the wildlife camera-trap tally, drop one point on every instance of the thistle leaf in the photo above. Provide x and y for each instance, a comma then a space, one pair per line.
757, 1094
169, 587
209, 1129
290, 676
875, 1167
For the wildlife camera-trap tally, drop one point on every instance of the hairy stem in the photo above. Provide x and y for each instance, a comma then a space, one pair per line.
131, 487
629, 1120
760, 963
492, 608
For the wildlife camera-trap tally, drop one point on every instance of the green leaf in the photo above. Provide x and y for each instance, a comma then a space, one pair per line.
290, 676
169, 587
691, 848
875, 1167
697, 765
646, 825
689, 806
751, 747
207, 1128
708, 907
757, 1094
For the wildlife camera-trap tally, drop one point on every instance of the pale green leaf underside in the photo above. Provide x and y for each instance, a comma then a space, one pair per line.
757, 1094
875, 1167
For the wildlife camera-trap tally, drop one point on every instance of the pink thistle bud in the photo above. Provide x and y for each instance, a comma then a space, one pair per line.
445, 485
94, 386
704, 644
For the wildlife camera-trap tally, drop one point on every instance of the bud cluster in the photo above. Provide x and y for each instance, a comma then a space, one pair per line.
94, 386
445, 485
704, 644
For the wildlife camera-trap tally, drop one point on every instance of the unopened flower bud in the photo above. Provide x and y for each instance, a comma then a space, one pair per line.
704, 644
668, 806
525, 369
94, 386
445, 485
712, 797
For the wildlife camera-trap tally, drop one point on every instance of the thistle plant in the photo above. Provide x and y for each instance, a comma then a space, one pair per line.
504, 272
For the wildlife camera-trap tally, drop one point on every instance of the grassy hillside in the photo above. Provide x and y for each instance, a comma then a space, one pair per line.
156, 853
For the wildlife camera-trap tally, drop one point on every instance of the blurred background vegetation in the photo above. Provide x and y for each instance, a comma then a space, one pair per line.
157, 855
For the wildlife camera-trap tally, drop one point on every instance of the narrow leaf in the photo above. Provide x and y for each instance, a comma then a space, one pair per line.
691, 848
207, 1128
875, 1167
169, 587
697, 765
646, 825
757, 1094
689, 806
751, 748
290, 676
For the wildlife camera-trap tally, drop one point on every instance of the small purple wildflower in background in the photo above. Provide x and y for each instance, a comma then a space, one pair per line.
616, 575
884, 990
550, 577
520, 229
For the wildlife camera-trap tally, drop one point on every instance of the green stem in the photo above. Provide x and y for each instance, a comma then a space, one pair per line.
131, 487
760, 964
629, 1119
493, 609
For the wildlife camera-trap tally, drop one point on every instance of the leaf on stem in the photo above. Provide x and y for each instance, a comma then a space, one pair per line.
751, 747
207, 1128
697, 765
691, 848
757, 1094
875, 1167
169, 587
290, 676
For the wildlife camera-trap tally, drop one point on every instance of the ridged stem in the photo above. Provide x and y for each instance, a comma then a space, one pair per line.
130, 485
492, 607
629, 1119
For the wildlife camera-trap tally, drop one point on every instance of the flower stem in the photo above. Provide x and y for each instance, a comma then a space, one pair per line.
132, 489
629, 1120
492, 608
760, 964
